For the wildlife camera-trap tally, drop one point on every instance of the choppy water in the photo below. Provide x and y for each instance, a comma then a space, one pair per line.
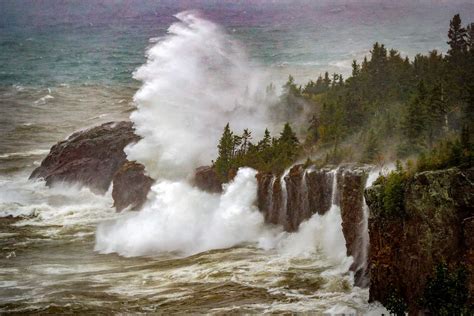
68, 65
48, 265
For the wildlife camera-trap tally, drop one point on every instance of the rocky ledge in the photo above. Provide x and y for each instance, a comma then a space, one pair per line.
95, 158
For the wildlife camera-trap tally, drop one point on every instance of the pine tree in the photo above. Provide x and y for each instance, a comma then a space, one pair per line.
226, 150
288, 145
326, 80
246, 137
266, 141
457, 36
355, 69
414, 123
470, 37
372, 148
313, 130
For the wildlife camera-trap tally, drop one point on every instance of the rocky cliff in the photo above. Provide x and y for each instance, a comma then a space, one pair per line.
436, 227
294, 197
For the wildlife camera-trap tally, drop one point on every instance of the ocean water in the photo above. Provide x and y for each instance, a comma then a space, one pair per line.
69, 65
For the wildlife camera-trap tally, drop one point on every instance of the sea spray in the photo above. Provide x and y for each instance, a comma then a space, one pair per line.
195, 81
283, 210
182, 219
322, 232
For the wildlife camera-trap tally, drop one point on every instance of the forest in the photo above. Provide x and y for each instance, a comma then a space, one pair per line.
391, 108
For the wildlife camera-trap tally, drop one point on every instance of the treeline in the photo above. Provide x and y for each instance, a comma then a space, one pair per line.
272, 154
390, 108
393, 105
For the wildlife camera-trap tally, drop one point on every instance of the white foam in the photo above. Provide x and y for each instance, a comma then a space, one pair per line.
181, 218
196, 80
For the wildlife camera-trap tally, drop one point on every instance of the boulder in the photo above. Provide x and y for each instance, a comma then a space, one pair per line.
130, 186
90, 157
207, 179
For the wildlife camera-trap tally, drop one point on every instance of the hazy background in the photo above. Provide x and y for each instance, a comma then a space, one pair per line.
52, 42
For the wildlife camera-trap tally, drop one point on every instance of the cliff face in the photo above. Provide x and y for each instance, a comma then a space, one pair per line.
294, 197
352, 180
437, 228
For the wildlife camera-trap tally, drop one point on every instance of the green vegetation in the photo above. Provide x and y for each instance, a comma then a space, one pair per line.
390, 108
268, 154
392, 196
404, 106
396, 305
447, 154
446, 293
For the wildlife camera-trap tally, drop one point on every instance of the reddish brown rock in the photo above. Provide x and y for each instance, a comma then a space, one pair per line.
90, 157
319, 182
207, 179
297, 198
130, 186
351, 183
437, 228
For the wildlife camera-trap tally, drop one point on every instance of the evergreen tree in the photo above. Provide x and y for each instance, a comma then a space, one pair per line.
372, 148
457, 36
246, 136
470, 37
226, 150
288, 146
414, 123
313, 130
266, 141
355, 69
326, 80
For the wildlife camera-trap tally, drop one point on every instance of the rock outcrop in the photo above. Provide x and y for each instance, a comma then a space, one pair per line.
130, 186
94, 158
351, 182
436, 227
90, 157
207, 179
292, 198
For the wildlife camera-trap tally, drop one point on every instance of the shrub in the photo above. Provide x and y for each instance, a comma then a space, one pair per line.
392, 196
446, 292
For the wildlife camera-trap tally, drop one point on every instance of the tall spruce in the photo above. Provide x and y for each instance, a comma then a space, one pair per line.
457, 36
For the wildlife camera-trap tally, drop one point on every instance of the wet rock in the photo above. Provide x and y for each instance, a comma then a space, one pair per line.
437, 228
130, 186
351, 183
90, 157
319, 182
207, 179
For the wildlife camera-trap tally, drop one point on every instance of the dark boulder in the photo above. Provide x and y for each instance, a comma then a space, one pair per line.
130, 186
207, 179
90, 157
